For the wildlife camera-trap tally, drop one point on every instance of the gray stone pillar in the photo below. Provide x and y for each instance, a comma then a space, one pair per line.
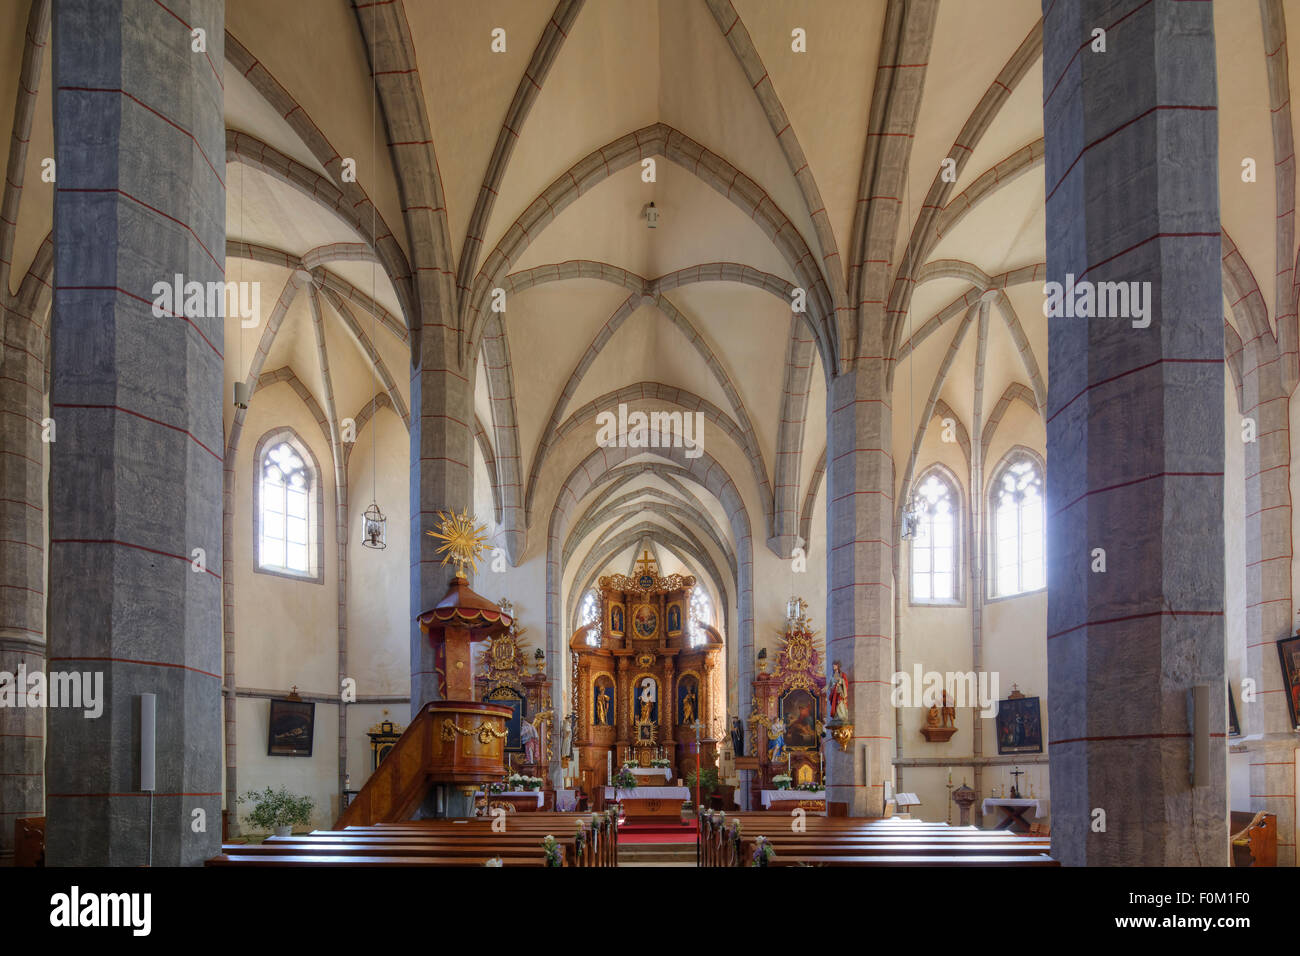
1268, 590
859, 533
1134, 435
441, 480
136, 481
22, 565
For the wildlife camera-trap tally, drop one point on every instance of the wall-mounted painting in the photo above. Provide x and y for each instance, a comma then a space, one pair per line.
292, 726
800, 711
509, 697
616, 618
1019, 726
1288, 650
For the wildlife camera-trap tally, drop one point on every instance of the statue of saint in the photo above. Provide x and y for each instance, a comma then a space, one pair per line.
688, 706
948, 712
932, 716
776, 736
602, 707
647, 699
737, 737
528, 734
839, 694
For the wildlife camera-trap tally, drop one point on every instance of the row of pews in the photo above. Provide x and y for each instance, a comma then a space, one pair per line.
734, 839
581, 839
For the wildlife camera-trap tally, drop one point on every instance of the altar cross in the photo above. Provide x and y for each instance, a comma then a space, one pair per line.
646, 563
1015, 787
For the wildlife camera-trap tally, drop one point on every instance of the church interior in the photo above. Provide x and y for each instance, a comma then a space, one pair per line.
732, 367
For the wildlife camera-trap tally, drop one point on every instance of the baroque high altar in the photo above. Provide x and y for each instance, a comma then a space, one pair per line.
643, 690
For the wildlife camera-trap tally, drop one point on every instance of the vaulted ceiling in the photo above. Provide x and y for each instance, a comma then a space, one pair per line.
760, 154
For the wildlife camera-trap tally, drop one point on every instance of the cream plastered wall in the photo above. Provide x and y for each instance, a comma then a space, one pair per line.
285, 630
938, 637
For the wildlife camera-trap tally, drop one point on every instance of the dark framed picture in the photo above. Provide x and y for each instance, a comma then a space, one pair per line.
509, 697
1288, 650
1234, 726
800, 712
292, 726
1019, 726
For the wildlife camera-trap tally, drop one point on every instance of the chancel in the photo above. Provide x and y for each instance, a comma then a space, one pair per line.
593, 433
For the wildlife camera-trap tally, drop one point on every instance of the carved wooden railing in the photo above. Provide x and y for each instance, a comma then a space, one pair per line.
400, 782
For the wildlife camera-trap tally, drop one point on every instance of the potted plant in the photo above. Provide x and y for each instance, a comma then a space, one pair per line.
277, 810
781, 781
763, 851
708, 781
660, 762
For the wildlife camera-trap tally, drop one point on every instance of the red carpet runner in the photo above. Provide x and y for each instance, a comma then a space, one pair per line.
656, 833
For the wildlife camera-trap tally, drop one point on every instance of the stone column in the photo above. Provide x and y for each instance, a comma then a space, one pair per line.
135, 482
441, 405
1134, 435
22, 566
1268, 590
860, 530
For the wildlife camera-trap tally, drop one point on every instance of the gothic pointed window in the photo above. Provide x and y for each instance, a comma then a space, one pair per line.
589, 613
701, 615
1017, 526
287, 533
935, 548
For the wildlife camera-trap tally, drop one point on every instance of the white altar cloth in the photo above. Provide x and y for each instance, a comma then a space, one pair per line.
518, 793
645, 774
649, 793
1039, 806
566, 800
783, 796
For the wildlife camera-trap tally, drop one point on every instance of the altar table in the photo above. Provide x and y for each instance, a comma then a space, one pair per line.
1014, 810
814, 800
650, 776
650, 803
523, 800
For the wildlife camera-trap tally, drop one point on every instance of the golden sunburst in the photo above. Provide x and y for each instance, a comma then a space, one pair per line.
463, 540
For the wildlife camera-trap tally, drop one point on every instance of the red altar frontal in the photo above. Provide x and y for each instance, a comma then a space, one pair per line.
644, 690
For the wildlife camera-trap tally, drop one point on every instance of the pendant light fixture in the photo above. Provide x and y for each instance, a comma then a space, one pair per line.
374, 531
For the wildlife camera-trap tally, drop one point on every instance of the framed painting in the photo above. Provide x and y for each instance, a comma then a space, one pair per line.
291, 728
509, 697
645, 621
1234, 726
1019, 726
800, 712
1288, 650
616, 618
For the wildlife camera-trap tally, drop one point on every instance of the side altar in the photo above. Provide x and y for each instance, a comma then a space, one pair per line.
789, 718
502, 677
644, 690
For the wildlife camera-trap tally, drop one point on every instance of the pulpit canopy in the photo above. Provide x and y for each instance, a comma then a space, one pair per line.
462, 607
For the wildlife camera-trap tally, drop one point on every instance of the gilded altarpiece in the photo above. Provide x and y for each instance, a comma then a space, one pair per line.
642, 685
502, 677
787, 725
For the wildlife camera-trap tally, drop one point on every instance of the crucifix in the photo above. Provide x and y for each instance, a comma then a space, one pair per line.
645, 563
1015, 787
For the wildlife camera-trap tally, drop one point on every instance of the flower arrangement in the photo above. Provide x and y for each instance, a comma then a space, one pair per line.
625, 779
496, 786
277, 809
551, 847
520, 781
657, 762
580, 838
630, 765
781, 781
763, 851
494, 861
811, 787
